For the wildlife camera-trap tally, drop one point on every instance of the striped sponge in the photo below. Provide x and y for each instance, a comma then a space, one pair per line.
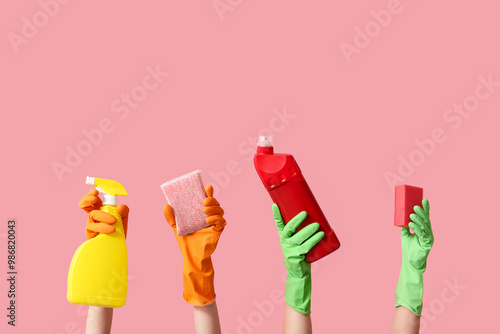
185, 195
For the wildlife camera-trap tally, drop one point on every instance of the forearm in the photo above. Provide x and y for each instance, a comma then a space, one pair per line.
410, 289
99, 320
405, 322
297, 318
206, 319
295, 322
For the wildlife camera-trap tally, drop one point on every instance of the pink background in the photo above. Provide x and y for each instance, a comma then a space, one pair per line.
229, 76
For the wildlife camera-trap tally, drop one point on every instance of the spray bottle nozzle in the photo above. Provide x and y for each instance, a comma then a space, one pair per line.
109, 188
90, 180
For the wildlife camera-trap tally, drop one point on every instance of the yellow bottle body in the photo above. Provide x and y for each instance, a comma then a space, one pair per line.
98, 273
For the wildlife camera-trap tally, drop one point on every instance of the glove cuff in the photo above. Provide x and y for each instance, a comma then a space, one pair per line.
198, 282
298, 289
410, 288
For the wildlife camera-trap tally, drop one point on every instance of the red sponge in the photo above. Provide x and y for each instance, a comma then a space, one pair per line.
406, 198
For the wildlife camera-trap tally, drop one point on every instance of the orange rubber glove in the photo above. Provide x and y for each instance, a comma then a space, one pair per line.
196, 249
100, 221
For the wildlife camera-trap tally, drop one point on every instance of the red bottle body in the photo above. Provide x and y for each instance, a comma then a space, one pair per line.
288, 188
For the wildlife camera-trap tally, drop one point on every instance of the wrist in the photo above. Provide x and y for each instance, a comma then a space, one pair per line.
297, 267
417, 260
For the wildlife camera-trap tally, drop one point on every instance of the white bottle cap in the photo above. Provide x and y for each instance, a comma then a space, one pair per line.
265, 141
109, 199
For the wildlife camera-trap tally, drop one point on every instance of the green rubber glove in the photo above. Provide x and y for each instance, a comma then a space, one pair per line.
295, 246
415, 247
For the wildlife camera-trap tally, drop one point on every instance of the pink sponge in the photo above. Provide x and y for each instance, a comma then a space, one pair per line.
185, 195
406, 198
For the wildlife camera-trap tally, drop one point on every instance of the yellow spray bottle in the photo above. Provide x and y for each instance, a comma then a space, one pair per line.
98, 273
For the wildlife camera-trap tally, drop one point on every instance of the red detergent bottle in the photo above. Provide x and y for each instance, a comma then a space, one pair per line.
288, 188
